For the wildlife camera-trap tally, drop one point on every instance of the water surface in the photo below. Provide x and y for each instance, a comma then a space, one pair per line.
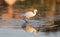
10, 32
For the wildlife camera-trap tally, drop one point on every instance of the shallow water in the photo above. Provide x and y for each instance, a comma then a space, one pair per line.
13, 32
10, 32
15, 22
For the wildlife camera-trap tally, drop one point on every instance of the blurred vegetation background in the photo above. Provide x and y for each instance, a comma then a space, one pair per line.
45, 8
41, 5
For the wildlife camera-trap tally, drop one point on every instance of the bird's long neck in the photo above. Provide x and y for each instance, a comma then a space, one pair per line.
34, 13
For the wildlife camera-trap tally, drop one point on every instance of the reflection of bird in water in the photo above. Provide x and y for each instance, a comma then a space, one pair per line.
30, 28
29, 14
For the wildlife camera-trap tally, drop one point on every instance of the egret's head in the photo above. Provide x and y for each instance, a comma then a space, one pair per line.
35, 10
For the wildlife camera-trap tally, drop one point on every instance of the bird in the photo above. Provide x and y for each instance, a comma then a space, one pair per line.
31, 29
29, 14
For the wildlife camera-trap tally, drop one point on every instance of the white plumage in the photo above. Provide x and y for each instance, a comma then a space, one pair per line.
29, 14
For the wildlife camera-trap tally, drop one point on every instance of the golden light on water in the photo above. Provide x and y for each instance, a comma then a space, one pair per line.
10, 2
9, 14
10, 8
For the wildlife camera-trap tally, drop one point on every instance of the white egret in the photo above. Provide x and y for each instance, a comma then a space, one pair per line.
29, 14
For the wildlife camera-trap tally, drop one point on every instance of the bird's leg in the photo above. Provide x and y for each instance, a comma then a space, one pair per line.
25, 19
